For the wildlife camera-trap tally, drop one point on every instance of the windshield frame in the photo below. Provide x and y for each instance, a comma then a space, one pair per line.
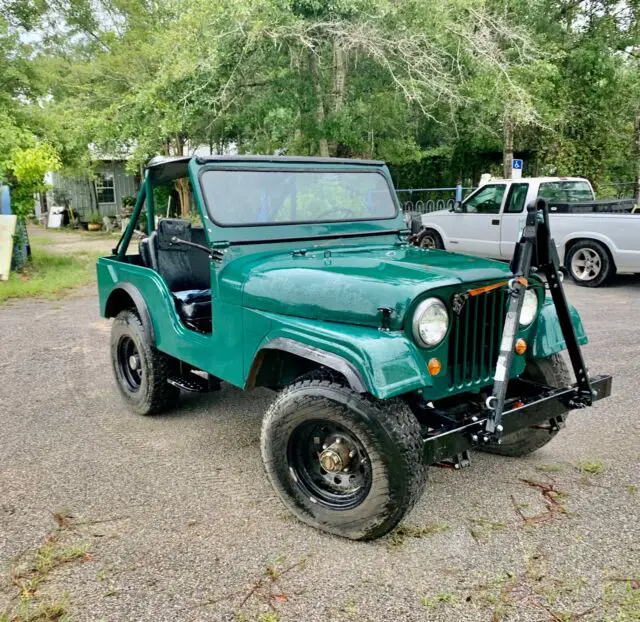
296, 169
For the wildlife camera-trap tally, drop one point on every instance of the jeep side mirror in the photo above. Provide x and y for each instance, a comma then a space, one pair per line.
457, 207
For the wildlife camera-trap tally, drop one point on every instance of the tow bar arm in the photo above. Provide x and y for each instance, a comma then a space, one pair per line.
534, 253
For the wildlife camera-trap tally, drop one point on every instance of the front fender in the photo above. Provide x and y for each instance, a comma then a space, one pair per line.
547, 334
386, 362
428, 223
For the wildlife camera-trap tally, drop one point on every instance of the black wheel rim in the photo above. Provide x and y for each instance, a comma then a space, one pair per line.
340, 489
129, 363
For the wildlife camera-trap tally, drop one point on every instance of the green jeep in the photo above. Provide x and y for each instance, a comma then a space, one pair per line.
298, 276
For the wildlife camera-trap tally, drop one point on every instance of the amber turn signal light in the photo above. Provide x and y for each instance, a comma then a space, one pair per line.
434, 366
521, 346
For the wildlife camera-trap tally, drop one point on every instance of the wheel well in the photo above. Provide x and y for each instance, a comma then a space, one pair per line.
127, 296
277, 368
571, 243
118, 300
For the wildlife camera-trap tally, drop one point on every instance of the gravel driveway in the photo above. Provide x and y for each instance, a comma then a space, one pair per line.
111, 516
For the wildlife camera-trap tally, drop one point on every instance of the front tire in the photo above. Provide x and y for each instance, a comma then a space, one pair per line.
141, 371
430, 238
340, 461
553, 372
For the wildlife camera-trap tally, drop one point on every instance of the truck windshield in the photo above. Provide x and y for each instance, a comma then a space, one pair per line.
252, 197
565, 191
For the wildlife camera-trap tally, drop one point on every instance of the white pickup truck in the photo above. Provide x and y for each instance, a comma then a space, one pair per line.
592, 245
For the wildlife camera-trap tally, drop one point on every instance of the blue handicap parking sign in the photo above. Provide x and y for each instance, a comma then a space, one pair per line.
516, 164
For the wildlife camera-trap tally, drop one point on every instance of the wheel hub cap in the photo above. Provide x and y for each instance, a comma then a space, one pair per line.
335, 457
586, 264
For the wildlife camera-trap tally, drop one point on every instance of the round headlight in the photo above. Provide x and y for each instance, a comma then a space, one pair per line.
430, 322
529, 308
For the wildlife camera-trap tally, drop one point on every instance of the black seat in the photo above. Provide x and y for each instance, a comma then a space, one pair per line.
185, 270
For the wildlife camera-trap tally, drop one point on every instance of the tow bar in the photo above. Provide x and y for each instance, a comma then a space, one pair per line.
534, 253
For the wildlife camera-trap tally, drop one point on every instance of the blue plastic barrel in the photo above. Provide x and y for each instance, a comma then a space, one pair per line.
5, 201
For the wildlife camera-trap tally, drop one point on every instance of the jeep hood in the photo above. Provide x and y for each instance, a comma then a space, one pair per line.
350, 284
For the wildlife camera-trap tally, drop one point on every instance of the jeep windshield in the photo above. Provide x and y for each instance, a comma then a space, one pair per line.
252, 197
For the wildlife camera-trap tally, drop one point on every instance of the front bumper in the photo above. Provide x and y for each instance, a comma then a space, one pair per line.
544, 409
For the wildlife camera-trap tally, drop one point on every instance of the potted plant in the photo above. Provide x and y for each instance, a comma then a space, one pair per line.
128, 204
95, 222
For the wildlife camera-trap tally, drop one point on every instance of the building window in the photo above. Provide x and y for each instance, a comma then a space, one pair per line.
105, 188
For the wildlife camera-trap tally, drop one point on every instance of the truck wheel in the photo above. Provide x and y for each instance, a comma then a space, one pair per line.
553, 372
430, 238
589, 263
141, 371
341, 461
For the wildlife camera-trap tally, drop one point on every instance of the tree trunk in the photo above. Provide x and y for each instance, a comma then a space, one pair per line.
182, 186
339, 76
507, 153
320, 116
339, 90
638, 157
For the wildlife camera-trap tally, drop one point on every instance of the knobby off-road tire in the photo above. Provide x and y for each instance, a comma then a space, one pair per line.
386, 440
143, 382
600, 268
553, 372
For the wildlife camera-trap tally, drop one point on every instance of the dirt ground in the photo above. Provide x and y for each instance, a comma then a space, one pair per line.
68, 242
105, 515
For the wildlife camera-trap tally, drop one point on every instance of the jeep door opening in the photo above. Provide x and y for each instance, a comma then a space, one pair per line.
386, 358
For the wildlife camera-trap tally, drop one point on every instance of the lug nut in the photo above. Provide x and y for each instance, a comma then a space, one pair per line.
499, 428
474, 438
352, 453
474, 418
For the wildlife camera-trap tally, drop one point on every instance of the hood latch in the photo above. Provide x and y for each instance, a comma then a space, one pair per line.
385, 319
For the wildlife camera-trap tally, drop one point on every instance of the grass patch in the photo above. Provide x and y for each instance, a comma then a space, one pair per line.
622, 600
33, 567
49, 275
400, 535
549, 468
483, 528
54, 611
591, 468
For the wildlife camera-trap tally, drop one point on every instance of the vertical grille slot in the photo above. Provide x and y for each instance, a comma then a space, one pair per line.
474, 340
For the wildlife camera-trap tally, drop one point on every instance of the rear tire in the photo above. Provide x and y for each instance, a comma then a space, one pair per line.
553, 372
384, 475
141, 371
589, 263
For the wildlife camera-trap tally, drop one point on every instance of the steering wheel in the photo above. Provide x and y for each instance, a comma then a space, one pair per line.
486, 207
328, 212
